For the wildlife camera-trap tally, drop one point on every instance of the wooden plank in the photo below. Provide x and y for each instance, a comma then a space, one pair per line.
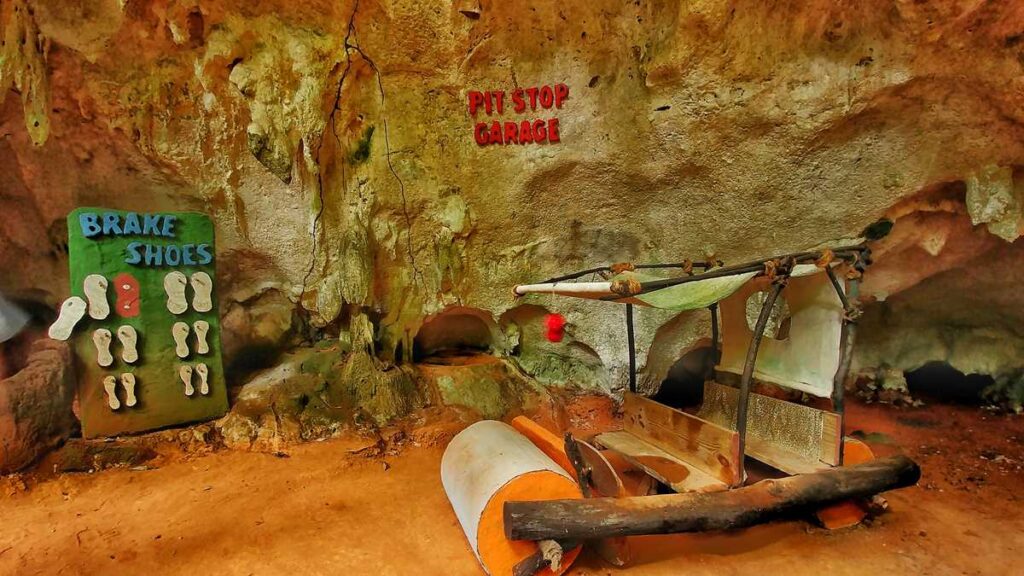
606, 482
708, 447
603, 477
791, 437
549, 443
661, 465
782, 459
635, 481
831, 436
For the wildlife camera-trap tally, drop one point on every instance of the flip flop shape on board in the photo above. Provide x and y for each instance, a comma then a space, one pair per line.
201, 328
185, 373
128, 381
101, 339
204, 379
174, 286
110, 386
127, 295
95, 289
202, 286
180, 334
129, 340
71, 313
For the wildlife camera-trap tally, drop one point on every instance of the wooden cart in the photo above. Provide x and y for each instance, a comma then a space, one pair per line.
704, 452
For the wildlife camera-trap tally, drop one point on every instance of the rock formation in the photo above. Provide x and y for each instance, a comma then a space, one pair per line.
332, 144
35, 406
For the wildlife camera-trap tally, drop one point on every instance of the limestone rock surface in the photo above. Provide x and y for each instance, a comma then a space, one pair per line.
332, 144
35, 406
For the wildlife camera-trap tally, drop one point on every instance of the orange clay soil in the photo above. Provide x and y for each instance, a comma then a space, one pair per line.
327, 510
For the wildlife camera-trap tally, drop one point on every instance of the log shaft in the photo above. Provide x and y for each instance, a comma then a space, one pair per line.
677, 513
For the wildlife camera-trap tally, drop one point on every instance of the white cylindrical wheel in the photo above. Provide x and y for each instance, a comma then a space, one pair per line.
486, 465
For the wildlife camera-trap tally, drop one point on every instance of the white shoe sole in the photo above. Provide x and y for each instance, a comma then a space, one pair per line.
128, 381
95, 288
202, 284
204, 379
202, 329
174, 286
110, 385
101, 339
185, 373
180, 334
129, 340
71, 313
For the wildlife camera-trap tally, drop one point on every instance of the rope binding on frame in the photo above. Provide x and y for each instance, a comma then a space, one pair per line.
626, 287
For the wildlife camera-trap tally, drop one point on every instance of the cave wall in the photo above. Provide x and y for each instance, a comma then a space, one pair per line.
331, 144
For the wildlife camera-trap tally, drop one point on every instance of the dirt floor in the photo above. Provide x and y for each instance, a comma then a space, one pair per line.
324, 509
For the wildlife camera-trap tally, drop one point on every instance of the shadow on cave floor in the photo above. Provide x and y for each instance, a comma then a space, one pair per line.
940, 383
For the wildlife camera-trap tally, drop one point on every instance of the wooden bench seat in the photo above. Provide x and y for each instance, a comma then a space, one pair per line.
659, 464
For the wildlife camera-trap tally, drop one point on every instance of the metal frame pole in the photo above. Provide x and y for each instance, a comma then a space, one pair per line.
716, 355
632, 348
748, 366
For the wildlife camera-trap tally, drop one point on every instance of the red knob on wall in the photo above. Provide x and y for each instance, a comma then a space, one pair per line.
555, 324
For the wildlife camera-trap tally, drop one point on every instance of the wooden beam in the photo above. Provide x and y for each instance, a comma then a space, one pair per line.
676, 513
549, 443
708, 447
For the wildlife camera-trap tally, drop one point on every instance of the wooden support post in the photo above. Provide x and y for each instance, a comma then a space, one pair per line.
632, 347
586, 519
846, 340
748, 366
839, 289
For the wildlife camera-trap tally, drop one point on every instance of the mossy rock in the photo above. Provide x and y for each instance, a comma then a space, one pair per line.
382, 394
494, 389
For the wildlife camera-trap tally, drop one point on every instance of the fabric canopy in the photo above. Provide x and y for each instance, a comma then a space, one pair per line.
691, 295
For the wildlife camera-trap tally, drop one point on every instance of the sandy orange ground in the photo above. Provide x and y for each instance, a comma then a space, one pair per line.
325, 511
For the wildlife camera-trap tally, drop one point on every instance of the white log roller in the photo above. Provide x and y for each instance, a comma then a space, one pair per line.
486, 465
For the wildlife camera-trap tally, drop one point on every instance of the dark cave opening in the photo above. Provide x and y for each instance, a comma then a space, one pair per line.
941, 383
452, 334
683, 386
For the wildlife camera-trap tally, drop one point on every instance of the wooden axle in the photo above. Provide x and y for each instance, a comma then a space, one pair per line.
764, 501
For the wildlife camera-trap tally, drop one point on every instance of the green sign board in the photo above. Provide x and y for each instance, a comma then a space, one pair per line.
149, 347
